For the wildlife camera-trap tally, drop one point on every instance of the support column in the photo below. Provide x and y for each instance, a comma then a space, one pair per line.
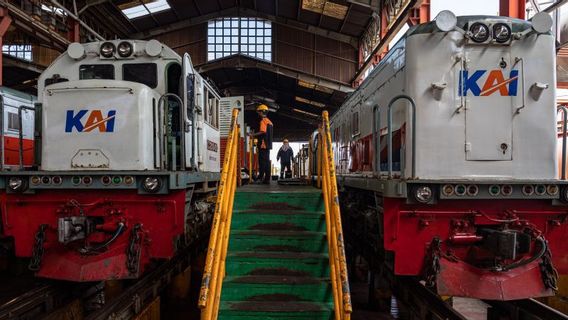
5, 22
513, 8
73, 33
420, 14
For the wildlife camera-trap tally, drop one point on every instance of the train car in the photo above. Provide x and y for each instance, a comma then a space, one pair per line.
129, 156
446, 159
17, 109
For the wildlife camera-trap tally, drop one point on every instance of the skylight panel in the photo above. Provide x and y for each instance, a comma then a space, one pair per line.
145, 9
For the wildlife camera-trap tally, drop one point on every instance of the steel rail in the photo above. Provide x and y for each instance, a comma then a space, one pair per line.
133, 300
422, 301
34, 302
520, 309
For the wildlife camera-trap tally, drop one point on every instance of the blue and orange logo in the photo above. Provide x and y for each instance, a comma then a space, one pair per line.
494, 82
95, 120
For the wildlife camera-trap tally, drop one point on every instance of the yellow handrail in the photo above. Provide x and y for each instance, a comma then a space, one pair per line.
337, 260
211, 285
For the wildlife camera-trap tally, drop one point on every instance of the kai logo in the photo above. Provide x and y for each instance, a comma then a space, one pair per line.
494, 82
94, 120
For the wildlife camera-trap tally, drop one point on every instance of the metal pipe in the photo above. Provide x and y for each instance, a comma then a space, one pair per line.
72, 15
389, 137
564, 129
21, 134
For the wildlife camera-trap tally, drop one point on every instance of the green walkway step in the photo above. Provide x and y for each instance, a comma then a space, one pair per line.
277, 263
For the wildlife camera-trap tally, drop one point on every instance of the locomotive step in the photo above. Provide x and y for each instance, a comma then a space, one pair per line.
279, 220
305, 201
285, 241
306, 263
303, 288
275, 310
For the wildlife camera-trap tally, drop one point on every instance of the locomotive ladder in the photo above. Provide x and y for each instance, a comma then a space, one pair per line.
276, 252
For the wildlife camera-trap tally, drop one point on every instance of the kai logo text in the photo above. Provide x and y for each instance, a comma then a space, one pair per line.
488, 82
89, 120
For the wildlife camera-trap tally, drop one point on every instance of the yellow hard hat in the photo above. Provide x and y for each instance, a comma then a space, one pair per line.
262, 107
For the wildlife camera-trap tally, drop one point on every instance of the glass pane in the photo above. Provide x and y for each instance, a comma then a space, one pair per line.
96, 71
145, 73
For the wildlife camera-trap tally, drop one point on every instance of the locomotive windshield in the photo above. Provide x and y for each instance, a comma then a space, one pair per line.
145, 73
96, 71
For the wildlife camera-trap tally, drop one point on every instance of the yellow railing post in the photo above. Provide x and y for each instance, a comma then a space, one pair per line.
337, 259
214, 271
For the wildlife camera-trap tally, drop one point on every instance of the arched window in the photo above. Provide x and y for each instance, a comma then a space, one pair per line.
249, 36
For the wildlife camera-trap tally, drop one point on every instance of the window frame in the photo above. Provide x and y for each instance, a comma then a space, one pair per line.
99, 65
355, 123
13, 116
237, 35
156, 80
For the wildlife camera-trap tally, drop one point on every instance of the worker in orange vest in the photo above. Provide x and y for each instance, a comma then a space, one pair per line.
264, 136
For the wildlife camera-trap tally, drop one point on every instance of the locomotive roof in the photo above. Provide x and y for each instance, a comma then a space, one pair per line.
518, 25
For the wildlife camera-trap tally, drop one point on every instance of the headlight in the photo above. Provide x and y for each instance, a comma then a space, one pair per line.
423, 194
460, 190
107, 49
448, 190
17, 184
151, 184
528, 189
479, 32
501, 33
472, 190
494, 190
507, 190
552, 189
124, 49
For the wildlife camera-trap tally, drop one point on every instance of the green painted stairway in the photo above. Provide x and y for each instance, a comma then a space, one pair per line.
277, 262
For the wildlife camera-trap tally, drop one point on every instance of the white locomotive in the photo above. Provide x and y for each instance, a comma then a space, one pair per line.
129, 136
446, 156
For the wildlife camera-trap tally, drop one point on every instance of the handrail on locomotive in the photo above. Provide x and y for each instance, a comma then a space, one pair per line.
564, 130
389, 134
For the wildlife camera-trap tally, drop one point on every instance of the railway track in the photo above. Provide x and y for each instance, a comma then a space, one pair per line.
421, 303
35, 302
527, 309
139, 295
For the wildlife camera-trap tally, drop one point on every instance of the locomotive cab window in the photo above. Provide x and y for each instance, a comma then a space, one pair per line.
144, 73
355, 123
211, 104
13, 121
96, 71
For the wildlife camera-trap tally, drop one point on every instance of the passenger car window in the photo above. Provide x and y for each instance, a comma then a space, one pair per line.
13, 121
145, 73
96, 71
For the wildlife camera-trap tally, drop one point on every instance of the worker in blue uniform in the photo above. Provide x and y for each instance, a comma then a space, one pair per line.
285, 156
264, 136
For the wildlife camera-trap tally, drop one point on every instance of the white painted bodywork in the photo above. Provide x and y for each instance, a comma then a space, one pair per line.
135, 142
128, 147
454, 142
